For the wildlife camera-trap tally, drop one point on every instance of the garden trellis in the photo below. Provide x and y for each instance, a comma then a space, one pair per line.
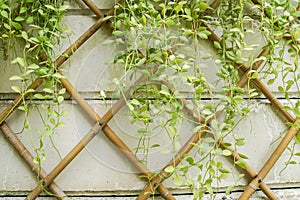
101, 123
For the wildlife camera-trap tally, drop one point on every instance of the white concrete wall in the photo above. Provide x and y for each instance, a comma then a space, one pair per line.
101, 169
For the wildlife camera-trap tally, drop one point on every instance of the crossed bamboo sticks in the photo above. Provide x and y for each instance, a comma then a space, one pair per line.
48, 180
34, 85
257, 178
101, 124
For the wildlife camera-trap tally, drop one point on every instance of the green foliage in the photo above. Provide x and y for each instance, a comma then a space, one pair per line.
162, 40
29, 32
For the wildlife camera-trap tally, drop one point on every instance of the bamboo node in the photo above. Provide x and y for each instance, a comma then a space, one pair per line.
24, 151
166, 194
259, 180
253, 187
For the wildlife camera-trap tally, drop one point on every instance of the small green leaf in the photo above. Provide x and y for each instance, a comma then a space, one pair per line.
243, 156
18, 60
141, 62
23, 9
33, 66
203, 6
229, 190
297, 154
63, 7
270, 81
29, 20
64, 112
170, 23
16, 25
52, 121
24, 35
60, 99
254, 75
48, 90
7, 26
207, 112
154, 146
107, 18
241, 164
190, 160
131, 108
19, 19
16, 89
226, 152
217, 45
280, 89
50, 7
143, 20
4, 14
62, 91
15, 77
135, 102
49, 132
203, 36
23, 108
39, 96
169, 169
224, 170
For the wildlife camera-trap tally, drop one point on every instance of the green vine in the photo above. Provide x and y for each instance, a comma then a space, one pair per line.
29, 32
162, 40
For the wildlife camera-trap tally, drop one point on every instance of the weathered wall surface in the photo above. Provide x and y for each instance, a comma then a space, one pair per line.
101, 169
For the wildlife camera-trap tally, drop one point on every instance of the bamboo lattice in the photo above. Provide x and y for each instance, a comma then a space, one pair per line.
101, 123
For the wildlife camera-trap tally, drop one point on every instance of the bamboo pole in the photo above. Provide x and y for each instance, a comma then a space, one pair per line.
251, 188
110, 134
28, 158
93, 8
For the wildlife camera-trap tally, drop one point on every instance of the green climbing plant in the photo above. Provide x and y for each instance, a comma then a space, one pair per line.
29, 32
163, 41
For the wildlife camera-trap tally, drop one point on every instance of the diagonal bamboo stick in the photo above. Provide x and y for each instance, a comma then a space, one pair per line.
26, 155
93, 8
251, 188
110, 134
